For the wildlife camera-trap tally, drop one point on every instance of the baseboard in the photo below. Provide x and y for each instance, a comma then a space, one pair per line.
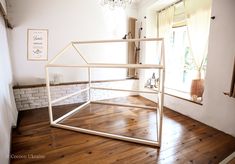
228, 159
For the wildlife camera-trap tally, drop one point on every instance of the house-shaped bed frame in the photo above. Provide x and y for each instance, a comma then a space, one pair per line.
159, 93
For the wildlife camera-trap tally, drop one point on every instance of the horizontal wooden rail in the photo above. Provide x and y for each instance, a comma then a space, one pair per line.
73, 83
123, 104
117, 40
68, 96
71, 112
97, 65
109, 135
124, 90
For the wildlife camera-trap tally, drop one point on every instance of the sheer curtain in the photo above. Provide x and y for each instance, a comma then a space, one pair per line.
165, 22
198, 14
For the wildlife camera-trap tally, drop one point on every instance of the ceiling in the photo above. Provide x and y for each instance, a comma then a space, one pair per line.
160, 4
154, 4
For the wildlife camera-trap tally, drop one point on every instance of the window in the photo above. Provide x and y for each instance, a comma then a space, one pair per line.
186, 44
181, 67
180, 64
176, 57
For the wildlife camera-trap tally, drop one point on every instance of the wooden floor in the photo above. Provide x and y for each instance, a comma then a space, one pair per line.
184, 139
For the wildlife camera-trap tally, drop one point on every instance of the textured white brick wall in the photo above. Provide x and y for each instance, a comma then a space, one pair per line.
31, 98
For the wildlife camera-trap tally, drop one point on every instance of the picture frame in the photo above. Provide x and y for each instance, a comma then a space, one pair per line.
37, 44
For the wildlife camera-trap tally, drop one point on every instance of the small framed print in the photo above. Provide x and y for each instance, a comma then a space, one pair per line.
37, 44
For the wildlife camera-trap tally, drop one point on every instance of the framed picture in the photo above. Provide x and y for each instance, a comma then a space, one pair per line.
37, 44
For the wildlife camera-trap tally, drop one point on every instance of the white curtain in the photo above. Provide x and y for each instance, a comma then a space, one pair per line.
165, 22
198, 13
8, 111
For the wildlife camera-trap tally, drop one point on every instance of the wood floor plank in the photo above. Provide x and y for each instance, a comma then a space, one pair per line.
184, 139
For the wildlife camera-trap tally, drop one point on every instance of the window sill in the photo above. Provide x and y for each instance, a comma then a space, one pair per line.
179, 94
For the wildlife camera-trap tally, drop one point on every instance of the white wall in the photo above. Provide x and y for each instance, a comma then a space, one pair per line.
217, 110
219, 69
66, 21
8, 112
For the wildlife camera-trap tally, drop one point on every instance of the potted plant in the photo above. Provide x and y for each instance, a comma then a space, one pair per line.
197, 87
197, 84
